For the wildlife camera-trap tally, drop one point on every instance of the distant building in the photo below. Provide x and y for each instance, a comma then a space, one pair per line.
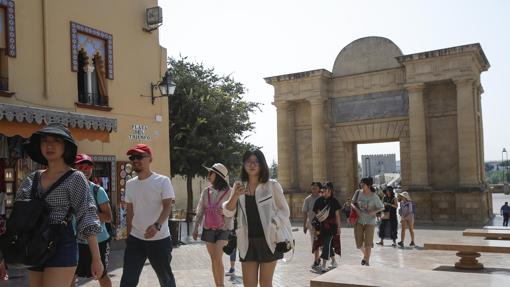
377, 164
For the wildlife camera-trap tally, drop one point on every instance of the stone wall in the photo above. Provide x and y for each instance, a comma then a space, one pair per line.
446, 207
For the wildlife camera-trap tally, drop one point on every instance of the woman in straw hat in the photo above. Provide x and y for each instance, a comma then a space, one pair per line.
216, 227
406, 217
54, 147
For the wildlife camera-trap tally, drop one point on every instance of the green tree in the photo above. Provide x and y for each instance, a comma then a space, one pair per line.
274, 170
209, 121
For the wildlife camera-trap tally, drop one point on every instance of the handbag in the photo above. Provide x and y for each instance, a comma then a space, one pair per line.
232, 237
282, 229
353, 216
30, 239
213, 220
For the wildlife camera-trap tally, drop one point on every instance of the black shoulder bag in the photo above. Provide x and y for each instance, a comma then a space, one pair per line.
232, 237
30, 239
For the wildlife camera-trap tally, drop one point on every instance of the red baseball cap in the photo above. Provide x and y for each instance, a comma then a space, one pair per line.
140, 148
83, 158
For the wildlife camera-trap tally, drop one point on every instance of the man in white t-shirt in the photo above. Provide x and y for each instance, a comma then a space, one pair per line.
149, 204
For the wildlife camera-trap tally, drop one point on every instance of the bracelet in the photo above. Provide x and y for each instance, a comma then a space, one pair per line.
157, 225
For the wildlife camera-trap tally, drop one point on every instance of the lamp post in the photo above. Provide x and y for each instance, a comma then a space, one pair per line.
505, 167
166, 87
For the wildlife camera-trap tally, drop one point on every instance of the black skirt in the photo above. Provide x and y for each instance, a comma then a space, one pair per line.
258, 251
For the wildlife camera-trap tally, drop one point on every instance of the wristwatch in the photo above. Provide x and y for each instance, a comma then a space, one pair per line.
157, 225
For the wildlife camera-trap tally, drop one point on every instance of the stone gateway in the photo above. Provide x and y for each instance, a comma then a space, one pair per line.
429, 102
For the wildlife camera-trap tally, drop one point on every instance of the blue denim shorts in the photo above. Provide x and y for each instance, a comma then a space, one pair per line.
66, 254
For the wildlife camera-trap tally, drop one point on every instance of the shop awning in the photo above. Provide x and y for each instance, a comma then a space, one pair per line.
24, 120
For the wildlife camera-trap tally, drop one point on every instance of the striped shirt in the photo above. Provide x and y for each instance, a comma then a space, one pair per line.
72, 193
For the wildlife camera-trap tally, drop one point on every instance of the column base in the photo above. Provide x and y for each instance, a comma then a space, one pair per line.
468, 261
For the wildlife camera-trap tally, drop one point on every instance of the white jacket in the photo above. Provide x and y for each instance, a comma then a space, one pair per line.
270, 209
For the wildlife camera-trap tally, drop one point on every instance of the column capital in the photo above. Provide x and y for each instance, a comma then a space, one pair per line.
317, 100
281, 105
414, 87
463, 80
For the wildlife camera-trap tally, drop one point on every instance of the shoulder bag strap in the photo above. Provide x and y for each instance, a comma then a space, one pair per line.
208, 196
57, 183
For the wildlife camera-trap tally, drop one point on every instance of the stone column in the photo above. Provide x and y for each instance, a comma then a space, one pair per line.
466, 127
417, 136
284, 148
318, 138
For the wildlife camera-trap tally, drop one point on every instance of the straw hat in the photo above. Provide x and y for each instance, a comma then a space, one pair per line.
406, 195
220, 170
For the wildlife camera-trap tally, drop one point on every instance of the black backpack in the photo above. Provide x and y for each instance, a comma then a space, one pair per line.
110, 227
30, 239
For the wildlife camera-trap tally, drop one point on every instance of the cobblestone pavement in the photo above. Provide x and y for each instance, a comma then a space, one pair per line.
191, 263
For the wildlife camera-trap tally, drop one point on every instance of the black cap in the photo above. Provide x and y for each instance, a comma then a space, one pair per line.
33, 145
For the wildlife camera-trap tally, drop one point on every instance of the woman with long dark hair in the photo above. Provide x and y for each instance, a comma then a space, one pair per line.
389, 223
54, 147
216, 227
257, 200
327, 211
367, 204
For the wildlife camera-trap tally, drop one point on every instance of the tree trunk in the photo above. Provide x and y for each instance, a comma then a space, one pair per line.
189, 211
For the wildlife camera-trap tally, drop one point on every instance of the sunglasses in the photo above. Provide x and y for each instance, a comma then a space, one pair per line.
137, 157
84, 167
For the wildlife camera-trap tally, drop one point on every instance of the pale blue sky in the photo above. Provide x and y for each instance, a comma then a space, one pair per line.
257, 39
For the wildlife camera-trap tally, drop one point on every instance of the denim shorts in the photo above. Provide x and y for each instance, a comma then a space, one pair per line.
213, 235
66, 254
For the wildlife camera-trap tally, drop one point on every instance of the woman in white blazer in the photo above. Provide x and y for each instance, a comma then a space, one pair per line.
257, 201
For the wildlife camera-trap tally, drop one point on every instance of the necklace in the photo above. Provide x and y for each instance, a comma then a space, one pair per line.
249, 191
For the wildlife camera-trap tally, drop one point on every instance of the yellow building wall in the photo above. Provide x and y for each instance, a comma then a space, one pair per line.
138, 61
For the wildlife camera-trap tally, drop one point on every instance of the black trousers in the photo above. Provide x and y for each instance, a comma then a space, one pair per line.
505, 219
159, 253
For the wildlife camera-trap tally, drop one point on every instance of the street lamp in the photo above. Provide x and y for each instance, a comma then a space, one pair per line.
166, 87
504, 152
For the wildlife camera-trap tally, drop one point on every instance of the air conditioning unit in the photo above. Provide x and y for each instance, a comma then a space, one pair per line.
153, 18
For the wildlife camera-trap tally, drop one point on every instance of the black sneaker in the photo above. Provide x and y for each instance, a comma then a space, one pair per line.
380, 243
316, 264
401, 244
412, 243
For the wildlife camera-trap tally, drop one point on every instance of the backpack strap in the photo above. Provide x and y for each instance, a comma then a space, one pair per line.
95, 189
57, 183
35, 184
221, 197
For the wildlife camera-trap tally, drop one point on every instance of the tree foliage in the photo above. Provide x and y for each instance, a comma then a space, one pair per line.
209, 121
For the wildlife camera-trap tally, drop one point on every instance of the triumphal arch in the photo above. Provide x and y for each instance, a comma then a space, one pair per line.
429, 102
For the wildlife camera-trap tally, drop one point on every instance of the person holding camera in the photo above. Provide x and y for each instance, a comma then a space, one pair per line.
216, 227
258, 201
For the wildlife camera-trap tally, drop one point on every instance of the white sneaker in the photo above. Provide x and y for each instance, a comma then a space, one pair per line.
323, 269
230, 272
333, 265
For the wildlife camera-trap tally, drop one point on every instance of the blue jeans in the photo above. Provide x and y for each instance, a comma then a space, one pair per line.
137, 251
